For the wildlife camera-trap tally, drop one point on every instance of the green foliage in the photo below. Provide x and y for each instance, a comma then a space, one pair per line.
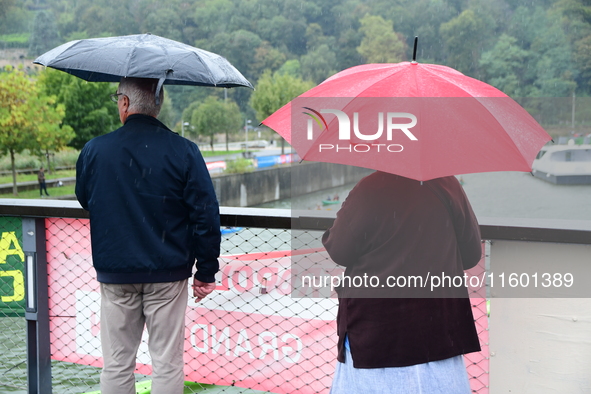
213, 116
164, 22
22, 161
54, 191
380, 42
5, 5
167, 114
88, 109
29, 119
462, 36
311, 39
319, 64
44, 35
582, 58
575, 9
291, 67
554, 66
239, 166
67, 157
14, 18
504, 66
15, 40
274, 91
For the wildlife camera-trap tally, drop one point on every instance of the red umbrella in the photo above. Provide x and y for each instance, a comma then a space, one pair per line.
421, 121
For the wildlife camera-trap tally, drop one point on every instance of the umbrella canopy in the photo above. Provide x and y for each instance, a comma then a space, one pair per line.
421, 121
142, 56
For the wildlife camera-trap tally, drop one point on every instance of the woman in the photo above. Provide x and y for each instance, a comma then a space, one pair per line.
397, 337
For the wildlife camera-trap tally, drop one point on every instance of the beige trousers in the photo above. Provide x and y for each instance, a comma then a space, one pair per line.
124, 311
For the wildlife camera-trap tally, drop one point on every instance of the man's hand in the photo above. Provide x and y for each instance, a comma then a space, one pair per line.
202, 289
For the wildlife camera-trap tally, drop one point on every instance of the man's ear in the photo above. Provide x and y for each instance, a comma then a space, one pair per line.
125, 101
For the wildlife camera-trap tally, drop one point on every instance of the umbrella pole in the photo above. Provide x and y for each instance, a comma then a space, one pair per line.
414, 50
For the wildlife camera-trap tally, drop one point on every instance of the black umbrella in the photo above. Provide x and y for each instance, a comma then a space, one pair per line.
143, 56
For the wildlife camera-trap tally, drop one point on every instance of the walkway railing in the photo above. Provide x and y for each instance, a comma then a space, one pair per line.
251, 334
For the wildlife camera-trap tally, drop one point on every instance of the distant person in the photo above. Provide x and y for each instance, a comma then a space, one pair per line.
388, 342
41, 180
153, 216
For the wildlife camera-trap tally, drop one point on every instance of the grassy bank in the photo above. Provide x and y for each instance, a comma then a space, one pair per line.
33, 177
53, 192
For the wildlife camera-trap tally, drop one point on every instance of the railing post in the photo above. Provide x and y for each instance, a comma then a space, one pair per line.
37, 307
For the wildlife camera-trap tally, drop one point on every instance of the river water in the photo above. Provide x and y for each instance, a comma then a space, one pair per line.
494, 194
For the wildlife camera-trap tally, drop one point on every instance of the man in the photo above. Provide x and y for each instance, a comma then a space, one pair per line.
42, 184
153, 212
404, 339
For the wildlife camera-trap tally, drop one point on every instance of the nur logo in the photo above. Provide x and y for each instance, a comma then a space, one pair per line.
391, 119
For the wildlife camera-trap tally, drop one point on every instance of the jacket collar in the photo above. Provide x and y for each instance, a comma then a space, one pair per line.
140, 118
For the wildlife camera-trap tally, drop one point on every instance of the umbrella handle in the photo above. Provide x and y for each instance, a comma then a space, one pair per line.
414, 50
159, 86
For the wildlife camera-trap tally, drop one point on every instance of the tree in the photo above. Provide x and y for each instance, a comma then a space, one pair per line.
44, 35
380, 43
213, 116
212, 17
463, 39
582, 58
167, 114
273, 91
292, 67
28, 119
267, 57
319, 64
421, 18
238, 47
50, 135
553, 62
5, 6
504, 65
89, 111
284, 32
164, 22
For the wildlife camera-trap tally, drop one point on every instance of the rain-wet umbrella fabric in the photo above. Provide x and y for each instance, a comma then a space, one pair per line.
454, 124
142, 56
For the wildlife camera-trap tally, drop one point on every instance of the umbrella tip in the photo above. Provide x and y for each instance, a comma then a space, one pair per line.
414, 50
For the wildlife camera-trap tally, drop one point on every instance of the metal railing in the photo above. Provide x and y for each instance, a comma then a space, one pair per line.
250, 334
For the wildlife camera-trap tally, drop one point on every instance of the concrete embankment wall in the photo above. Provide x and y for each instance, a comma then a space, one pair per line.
272, 184
250, 189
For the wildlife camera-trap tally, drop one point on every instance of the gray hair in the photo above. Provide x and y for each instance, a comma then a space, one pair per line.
142, 95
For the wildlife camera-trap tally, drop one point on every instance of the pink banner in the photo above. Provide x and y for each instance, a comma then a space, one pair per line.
250, 333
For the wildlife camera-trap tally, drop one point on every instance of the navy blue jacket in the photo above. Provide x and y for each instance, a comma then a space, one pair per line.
153, 209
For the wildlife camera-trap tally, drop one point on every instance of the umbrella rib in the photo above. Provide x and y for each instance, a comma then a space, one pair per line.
130, 56
389, 74
512, 142
193, 53
65, 57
